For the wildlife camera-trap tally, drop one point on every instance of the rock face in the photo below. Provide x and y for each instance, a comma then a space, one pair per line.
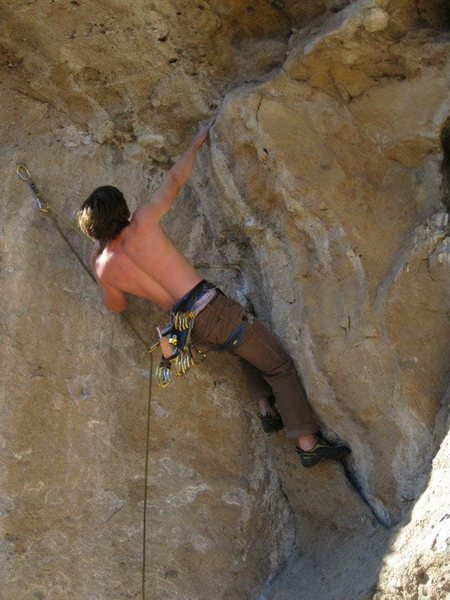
417, 566
321, 203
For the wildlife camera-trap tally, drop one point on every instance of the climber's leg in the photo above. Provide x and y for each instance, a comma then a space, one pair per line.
262, 350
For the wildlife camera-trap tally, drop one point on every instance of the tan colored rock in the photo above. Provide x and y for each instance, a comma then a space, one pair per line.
416, 564
375, 20
319, 203
73, 427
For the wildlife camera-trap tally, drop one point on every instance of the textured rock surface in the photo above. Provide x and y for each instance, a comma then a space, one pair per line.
73, 438
348, 244
319, 204
417, 562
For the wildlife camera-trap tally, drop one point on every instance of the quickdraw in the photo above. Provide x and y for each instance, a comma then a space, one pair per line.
178, 349
25, 175
183, 320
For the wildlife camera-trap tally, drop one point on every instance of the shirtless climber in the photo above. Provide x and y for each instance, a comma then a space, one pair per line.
134, 256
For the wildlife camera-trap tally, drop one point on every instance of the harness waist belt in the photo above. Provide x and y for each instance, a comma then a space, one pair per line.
202, 302
189, 300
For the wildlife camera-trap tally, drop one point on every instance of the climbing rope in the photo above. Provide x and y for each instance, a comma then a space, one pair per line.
47, 210
147, 452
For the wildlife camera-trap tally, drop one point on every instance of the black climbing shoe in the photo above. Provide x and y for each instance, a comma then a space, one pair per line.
322, 449
271, 424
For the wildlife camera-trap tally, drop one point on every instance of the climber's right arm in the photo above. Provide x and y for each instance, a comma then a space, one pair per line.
175, 179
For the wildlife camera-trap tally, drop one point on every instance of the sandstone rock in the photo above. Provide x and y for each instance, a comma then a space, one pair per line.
303, 149
376, 19
417, 565
320, 203
73, 430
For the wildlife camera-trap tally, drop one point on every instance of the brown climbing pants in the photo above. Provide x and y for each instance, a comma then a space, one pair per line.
218, 320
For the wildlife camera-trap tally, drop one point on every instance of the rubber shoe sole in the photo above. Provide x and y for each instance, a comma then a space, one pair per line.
322, 449
271, 424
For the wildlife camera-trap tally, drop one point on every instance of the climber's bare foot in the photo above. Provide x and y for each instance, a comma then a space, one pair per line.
266, 408
307, 442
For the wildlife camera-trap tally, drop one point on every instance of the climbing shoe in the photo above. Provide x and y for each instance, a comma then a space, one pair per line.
322, 449
271, 424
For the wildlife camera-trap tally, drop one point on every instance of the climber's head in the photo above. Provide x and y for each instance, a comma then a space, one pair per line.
104, 214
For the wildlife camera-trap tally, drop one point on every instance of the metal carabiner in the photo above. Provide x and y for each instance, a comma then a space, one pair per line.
20, 173
24, 174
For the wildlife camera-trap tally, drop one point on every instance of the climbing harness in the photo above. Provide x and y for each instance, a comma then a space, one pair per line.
178, 349
47, 210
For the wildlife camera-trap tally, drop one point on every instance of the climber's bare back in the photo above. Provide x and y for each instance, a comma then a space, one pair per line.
142, 261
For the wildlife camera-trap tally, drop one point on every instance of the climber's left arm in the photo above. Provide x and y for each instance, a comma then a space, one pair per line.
96, 251
113, 298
